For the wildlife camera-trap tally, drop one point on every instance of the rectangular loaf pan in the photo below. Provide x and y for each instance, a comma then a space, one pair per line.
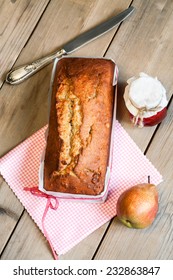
81, 197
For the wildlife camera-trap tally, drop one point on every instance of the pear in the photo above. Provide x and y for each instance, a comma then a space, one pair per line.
137, 207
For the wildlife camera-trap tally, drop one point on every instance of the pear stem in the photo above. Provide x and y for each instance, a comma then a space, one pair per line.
148, 179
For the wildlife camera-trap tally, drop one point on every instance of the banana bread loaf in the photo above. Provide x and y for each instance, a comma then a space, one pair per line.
79, 131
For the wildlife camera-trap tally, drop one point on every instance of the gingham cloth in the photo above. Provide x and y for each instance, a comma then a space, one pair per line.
73, 221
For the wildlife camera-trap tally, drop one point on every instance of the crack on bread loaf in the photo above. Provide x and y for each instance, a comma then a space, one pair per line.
69, 120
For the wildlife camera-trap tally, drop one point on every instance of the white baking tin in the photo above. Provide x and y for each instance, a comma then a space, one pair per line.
80, 197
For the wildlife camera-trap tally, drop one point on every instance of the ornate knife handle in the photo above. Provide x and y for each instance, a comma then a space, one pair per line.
18, 75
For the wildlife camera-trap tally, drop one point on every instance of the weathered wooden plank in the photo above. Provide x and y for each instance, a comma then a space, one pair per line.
17, 21
27, 103
10, 211
22, 245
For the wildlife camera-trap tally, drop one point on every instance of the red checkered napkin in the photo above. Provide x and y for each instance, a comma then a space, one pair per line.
73, 221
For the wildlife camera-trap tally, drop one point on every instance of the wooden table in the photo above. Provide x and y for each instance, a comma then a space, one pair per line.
30, 29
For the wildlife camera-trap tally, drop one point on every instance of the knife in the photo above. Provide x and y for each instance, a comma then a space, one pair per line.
18, 75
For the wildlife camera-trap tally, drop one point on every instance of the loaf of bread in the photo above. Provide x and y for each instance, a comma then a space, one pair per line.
79, 130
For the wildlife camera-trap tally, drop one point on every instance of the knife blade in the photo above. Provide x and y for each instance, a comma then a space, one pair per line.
18, 75
97, 31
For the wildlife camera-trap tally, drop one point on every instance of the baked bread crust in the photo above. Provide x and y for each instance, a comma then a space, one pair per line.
79, 132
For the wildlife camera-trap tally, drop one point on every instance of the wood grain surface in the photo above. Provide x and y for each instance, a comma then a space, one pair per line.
143, 43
